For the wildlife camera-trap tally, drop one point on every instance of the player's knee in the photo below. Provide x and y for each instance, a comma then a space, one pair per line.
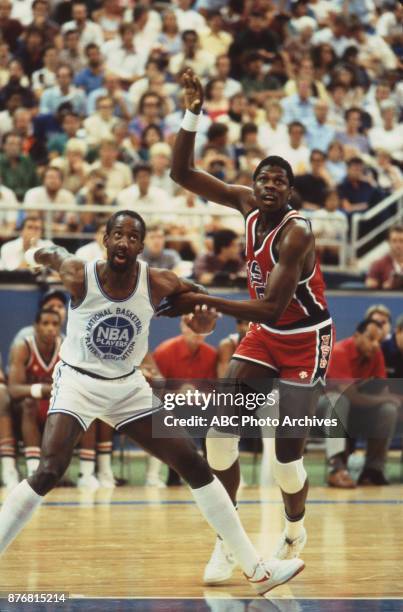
290, 476
222, 452
29, 408
4, 400
47, 475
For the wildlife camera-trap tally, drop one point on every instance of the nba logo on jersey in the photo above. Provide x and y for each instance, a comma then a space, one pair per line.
111, 336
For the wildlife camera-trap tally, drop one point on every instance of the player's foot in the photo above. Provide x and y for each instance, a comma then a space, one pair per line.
88, 482
289, 549
220, 566
341, 479
106, 480
155, 482
10, 479
370, 476
272, 573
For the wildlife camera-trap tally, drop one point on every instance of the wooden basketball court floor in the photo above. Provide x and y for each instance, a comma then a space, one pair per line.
113, 550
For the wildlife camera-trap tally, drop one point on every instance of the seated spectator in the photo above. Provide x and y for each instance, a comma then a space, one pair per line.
256, 81
330, 224
71, 54
389, 176
236, 116
150, 112
337, 106
92, 77
299, 45
4, 62
390, 135
8, 218
352, 136
64, 91
17, 171
155, 253
222, 71
160, 162
30, 50
374, 52
382, 315
94, 250
18, 83
147, 26
52, 193
12, 253
320, 134
304, 71
118, 175
272, 133
214, 38
377, 93
121, 56
151, 135
143, 193
392, 348
109, 17
41, 21
188, 18
100, 125
191, 56
170, 38
46, 77
324, 59
387, 272
335, 35
113, 89
224, 264
11, 29
300, 106
93, 192
67, 126
335, 164
88, 31
356, 193
360, 406
73, 165
295, 151
216, 103
312, 186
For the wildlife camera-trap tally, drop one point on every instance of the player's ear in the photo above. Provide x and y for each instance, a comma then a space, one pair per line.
105, 239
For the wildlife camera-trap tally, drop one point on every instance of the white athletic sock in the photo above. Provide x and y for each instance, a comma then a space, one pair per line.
104, 463
153, 468
16, 512
32, 466
8, 464
87, 467
293, 529
218, 510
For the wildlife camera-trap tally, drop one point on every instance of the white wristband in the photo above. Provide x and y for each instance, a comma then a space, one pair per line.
36, 391
30, 257
190, 121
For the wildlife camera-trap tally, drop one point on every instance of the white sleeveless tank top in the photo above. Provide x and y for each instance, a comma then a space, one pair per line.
108, 337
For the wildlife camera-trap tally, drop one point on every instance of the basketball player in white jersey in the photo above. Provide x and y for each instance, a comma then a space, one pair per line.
112, 303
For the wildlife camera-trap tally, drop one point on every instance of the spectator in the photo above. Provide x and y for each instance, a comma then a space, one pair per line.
374, 53
16, 170
118, 175
121, 56
300, 106
392, 349
216, 103
155, 253
356, 193
11, 29
389, 176
370, 406
236, 116
295, 151
46, 77
95, 249
30, 51
150, 112
191, 56
42, 22
170, 38
52, 193
320, 134
390, 135
312, 186
147, 26
334, 35
188, 18
305, 72
272, 133
91, 78
151, 135
330, 224
64, 91
160, 160
71, 54
256, 36
60, 134
8, 218
12, 254
109, 18
352, 137
256, 81
93, 192
88, 31
381, 92
224, 264
382, 315
113, 89
387, 272
222, 71
299, 45
73, 166
143, 193
4, 62
337, 106
18, 84
335, 164
324, 60
100, 125
214, 38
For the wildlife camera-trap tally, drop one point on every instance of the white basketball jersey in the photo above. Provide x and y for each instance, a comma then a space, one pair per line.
108, 337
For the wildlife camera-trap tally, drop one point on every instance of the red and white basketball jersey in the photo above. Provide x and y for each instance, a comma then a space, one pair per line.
308, 308
37, 370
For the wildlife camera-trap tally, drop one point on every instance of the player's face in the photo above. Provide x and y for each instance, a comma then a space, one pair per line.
368, 343
123, 244
48, 328
272, 188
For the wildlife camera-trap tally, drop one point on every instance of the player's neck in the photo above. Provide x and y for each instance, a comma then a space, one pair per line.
119, 281
269, 219
46, 349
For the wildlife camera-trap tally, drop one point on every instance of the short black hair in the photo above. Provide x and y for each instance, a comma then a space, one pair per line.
275, 160
50, 295
45, 311
126, 213
362, 326
222, 239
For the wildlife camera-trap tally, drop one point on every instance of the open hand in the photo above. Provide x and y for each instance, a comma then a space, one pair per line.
202, 320
193, 91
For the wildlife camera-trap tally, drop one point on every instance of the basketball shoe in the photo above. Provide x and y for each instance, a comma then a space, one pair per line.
220, 566
272, 573
89, 482
289, 549
106, 480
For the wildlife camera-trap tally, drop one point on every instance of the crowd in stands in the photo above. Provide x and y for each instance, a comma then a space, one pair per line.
91, 100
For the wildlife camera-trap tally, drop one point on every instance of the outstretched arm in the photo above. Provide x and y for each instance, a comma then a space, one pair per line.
183, 171
70, 268
295, 246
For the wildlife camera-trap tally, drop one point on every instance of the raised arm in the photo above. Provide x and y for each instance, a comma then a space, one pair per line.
295, 245
70, 268
183, 170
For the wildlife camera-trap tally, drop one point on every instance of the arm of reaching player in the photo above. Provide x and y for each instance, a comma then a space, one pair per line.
295, 246
70, 268
183, 170
17, 380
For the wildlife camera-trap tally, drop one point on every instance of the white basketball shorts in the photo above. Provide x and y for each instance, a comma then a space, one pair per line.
117, 402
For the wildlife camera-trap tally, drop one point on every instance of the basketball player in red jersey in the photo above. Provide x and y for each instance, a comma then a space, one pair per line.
32, 362
290, 336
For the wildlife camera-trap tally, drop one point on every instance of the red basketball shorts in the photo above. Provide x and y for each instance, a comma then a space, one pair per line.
43, 407
300, 357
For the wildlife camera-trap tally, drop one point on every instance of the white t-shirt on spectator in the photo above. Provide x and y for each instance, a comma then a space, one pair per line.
156, 199
92, 33
122, 63
297, 158
202, 64
38, 195
329, 224
389, 140
22, 10
90, 252
189, 20
270, 139
7, 196
117, 178
12, 253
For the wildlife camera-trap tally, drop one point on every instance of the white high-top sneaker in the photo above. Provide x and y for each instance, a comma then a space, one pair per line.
289, 549
220, 566
272, 573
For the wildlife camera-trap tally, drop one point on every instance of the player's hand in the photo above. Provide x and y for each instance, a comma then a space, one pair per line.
180, 304
203, 320
193, 91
